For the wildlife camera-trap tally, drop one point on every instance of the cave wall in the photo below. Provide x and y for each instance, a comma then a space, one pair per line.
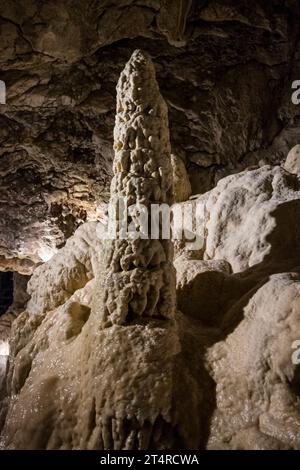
224, 67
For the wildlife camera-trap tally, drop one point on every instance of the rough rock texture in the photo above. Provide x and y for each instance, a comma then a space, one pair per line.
255, 318
140, 275
197, 283
257, 391
181, 184
225, 69
20, 298
103, 377
256, 308
98, 364
69, 274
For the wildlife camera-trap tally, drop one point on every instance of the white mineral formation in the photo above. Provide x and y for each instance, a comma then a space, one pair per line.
114, 372
70, 269
181, 184
140, 277
292, 163
137, 398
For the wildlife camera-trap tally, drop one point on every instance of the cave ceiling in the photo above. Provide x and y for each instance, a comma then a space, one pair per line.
225, 69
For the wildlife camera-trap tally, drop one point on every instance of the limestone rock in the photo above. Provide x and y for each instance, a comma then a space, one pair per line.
103, 378
137, 308
253, 319
292, 163
87, 401
70, 269
257, 391
101, 358
140, 276
199, 288
20, 298
225, 71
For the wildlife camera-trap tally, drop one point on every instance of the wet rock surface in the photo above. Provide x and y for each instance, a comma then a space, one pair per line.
224, 68
109, 353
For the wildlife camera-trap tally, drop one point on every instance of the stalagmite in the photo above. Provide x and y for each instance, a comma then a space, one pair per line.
140, 280
140, 404
103, 359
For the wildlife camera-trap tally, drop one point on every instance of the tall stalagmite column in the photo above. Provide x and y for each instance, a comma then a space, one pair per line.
140, 279
128, 373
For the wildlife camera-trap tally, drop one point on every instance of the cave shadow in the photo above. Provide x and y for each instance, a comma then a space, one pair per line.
283, 257
239, 288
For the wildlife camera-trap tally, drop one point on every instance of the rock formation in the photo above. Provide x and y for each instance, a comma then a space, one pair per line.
225, 70
243, 322
103, 358
140, 279
181, 184
248, 215
292, 162
257, 392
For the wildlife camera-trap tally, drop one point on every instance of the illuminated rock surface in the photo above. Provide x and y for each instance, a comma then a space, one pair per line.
257, 392
112, 376
224, 68
292, 163
140, 274
101, 358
